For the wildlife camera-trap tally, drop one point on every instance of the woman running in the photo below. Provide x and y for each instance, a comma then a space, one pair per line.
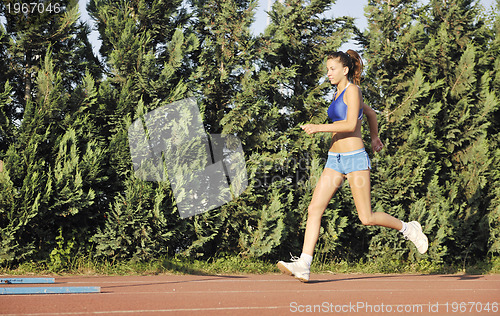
347, 158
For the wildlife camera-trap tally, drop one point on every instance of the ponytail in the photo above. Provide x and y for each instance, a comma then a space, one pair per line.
357, 67
351, 60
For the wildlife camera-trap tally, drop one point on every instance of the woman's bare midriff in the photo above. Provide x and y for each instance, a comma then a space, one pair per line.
347, 141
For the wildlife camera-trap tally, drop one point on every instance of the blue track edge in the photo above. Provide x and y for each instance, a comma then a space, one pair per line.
49, 290
26, 280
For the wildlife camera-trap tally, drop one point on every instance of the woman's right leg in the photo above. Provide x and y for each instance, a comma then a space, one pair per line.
327, 185
329, 182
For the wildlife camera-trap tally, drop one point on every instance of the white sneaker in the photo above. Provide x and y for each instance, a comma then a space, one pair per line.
297, 268
414, 233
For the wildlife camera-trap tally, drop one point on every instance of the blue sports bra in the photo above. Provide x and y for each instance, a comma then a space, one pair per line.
337, 111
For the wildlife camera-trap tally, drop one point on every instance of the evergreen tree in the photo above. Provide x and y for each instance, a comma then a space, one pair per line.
50, 173
224, 57
49, 24
51, 136
226, 51
491, 80
435, 107
146, 45
405, 175
282, 89
7, 109
468, 103
69, 185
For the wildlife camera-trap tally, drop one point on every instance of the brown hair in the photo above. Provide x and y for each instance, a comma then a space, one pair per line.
351, 60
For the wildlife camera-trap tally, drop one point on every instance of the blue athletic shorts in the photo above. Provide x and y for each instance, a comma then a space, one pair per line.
348, 162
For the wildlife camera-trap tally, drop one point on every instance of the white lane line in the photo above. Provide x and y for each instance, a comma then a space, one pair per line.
415, 308
147, 282
293, 291
207, 309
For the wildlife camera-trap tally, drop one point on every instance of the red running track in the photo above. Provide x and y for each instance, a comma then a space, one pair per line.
269, 294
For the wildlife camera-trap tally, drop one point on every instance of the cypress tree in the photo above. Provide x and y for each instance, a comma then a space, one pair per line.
225, 52
223, 59
7, 108
491, 81
145, 49
68, 183
282, 89
46, 194
45, 171
47, 25
468, 103
405, 175
427, 81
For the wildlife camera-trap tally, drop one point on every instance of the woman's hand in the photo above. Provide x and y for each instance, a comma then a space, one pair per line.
377, 144
310, 128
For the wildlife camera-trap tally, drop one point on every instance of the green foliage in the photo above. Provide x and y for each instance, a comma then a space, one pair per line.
438, 169
61, 255
49, 141
69, 185
137, 226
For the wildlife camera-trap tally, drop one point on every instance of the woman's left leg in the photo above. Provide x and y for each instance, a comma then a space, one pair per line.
359, 182
361, 192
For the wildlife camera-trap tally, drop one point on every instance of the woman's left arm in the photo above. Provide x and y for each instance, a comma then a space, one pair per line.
377, 144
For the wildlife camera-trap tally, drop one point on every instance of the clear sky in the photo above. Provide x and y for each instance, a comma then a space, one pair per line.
353, 8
